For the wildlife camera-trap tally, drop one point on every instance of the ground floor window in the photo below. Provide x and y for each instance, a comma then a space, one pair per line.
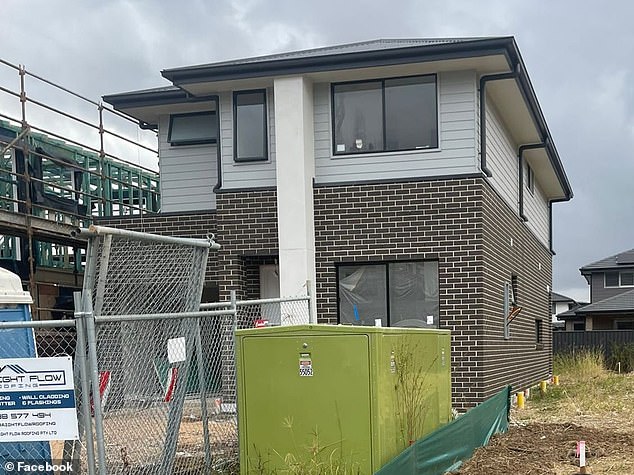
624, 324
399, 294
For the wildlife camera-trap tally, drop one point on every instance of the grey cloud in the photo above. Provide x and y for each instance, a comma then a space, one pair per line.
577, 53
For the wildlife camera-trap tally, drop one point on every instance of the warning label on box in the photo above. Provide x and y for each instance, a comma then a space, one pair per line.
305, 364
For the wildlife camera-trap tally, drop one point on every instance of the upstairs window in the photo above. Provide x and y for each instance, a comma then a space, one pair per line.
193, 129
249, 126
385, 115
530, 179
619, 279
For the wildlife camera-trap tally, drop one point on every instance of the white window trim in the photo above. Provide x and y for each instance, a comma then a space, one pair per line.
605, 284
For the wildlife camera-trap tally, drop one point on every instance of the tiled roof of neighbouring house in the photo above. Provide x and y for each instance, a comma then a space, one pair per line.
625, 258
619, 303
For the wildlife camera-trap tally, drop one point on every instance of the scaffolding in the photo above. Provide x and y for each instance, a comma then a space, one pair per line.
61, 167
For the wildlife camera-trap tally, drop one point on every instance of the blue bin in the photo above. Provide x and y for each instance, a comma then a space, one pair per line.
17, 343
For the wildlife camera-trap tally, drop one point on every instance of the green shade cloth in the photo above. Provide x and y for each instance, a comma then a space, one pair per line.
447, 447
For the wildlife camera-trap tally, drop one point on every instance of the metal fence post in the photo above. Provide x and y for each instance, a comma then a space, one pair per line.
91, 335
80, 356
234, 307
312, 318
202, 388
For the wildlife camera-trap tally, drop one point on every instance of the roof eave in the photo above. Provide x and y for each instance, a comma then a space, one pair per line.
137, 99
350, 60
530, 98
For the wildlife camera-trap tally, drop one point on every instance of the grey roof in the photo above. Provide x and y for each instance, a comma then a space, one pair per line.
151, 97
571, 313
152, 90
555, 297
348, 56
359, 47
625, 258
619, 303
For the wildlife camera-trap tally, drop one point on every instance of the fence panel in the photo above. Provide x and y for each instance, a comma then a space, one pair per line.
568, 341
136, 275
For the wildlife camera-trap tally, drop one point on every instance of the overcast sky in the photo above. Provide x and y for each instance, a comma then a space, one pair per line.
579, 55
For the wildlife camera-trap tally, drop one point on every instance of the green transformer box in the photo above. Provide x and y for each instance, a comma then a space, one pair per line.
346, 398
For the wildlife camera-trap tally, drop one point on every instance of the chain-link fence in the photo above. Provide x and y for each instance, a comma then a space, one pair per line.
33, 382
154, 370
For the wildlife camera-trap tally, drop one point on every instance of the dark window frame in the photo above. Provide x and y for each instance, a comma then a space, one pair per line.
539, 328
623, 324
197, 141
530, 178
619, 279
385, 264
385, 150
265, 114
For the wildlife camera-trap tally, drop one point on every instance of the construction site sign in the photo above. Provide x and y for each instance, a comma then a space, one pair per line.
37, 399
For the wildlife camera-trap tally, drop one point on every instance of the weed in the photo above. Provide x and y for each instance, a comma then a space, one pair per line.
621, 357
581, 364
316, 458
412, 405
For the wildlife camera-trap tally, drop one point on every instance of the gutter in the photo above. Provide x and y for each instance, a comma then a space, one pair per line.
277, 65
218, 185
483, 141
520, 177
550, 221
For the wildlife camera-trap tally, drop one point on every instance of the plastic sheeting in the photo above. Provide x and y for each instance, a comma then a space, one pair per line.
445, 448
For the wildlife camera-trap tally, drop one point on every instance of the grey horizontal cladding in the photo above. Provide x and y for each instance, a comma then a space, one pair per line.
456, 155
245, 174
188, 174
503, 162
502, 158
599, 291
536, 211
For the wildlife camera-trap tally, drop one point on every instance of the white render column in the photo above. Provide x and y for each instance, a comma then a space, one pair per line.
295, 168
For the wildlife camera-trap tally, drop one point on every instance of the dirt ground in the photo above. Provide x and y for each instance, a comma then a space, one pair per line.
543, 436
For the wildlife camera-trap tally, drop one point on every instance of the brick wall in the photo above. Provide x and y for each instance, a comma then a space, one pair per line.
435, 220
460, 223
511, 249
247, 231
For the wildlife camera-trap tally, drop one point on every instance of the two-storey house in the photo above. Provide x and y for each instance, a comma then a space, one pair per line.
611, 307
410, 181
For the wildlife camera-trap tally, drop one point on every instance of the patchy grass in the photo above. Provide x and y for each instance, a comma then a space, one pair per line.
591, 404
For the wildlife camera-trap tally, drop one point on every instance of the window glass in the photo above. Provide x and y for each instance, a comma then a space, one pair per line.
611, 279
627, 278
413, 294
385, 115
538, 331
358, 116
250, 126
410, 113
362, 296
530, 178
401, 294
194, 128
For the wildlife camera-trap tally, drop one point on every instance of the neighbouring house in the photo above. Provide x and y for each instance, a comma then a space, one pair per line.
407, 180
611, 306
560, 304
